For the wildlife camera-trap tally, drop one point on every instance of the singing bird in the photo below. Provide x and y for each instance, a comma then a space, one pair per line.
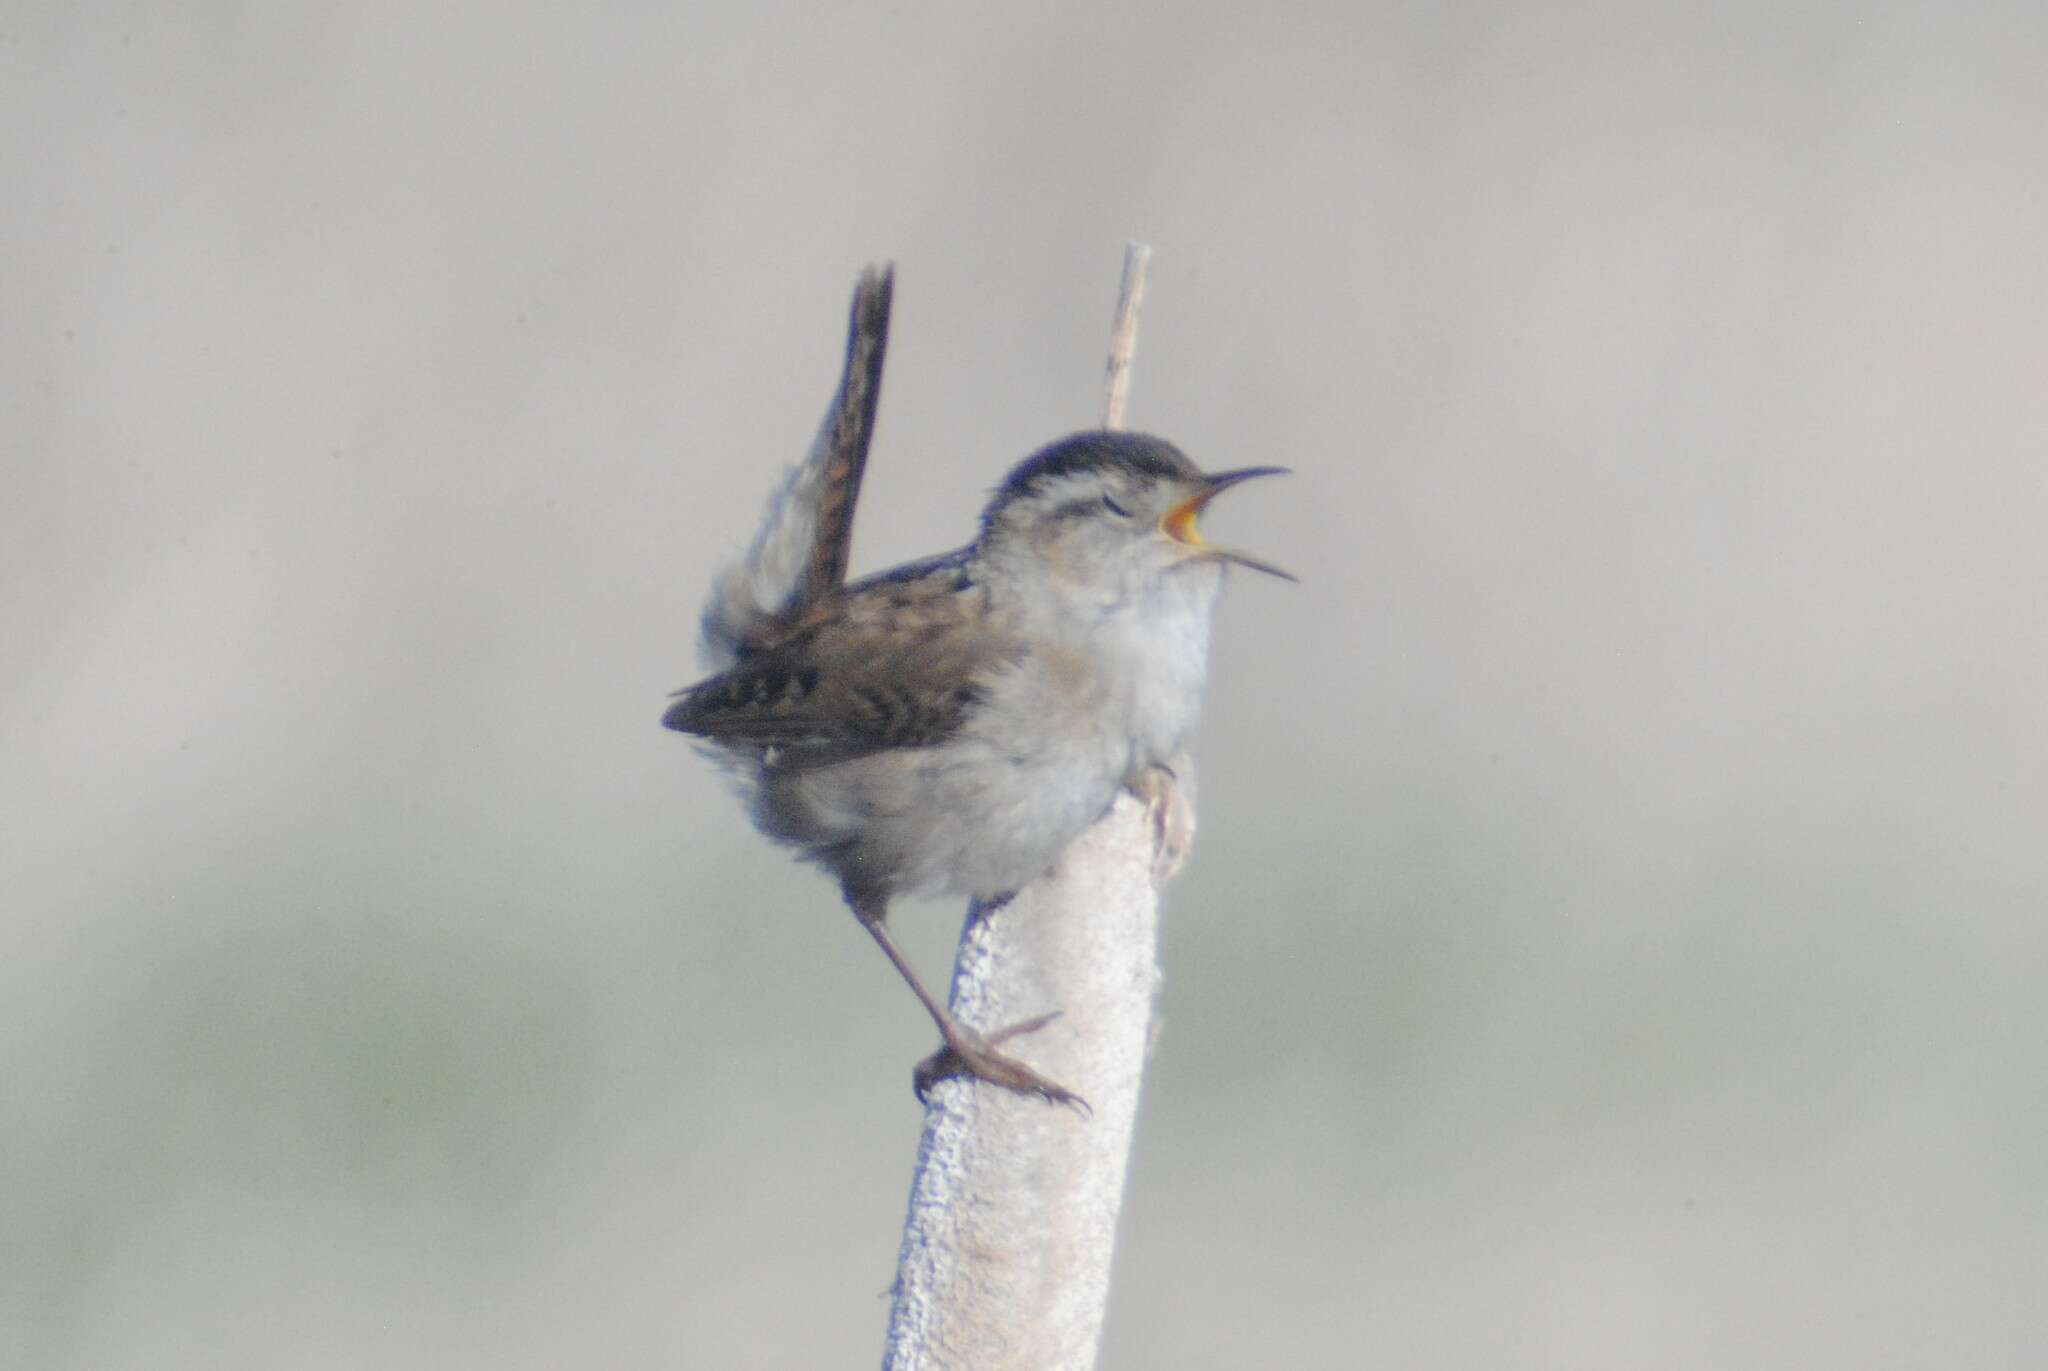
951, 725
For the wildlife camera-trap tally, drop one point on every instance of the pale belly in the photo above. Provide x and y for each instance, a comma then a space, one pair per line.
966, 817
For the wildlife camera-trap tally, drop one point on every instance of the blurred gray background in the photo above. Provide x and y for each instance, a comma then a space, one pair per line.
1616, 935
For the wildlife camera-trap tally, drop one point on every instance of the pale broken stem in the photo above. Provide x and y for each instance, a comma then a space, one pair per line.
1123, 335
1006, 1250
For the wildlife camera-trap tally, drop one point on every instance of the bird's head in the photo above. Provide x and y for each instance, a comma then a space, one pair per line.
1110, 513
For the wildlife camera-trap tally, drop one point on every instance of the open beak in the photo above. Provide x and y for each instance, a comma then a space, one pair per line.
1179, 523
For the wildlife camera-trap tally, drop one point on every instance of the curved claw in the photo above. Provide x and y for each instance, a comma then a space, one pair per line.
968, 1053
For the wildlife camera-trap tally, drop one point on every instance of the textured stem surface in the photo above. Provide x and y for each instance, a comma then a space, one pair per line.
1006, 1253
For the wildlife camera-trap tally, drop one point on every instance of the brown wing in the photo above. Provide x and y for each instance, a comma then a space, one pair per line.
895, 661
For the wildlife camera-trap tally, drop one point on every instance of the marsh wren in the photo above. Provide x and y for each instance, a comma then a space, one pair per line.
949, 726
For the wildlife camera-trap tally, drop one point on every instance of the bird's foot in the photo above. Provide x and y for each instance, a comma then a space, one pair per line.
1167, 792
968, 1053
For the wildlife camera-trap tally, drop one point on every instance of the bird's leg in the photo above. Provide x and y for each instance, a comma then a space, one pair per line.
968, 1052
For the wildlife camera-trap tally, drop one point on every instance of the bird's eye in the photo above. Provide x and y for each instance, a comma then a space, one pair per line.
1114, 508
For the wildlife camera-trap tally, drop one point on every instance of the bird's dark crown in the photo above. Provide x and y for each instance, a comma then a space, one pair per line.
1094, 450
